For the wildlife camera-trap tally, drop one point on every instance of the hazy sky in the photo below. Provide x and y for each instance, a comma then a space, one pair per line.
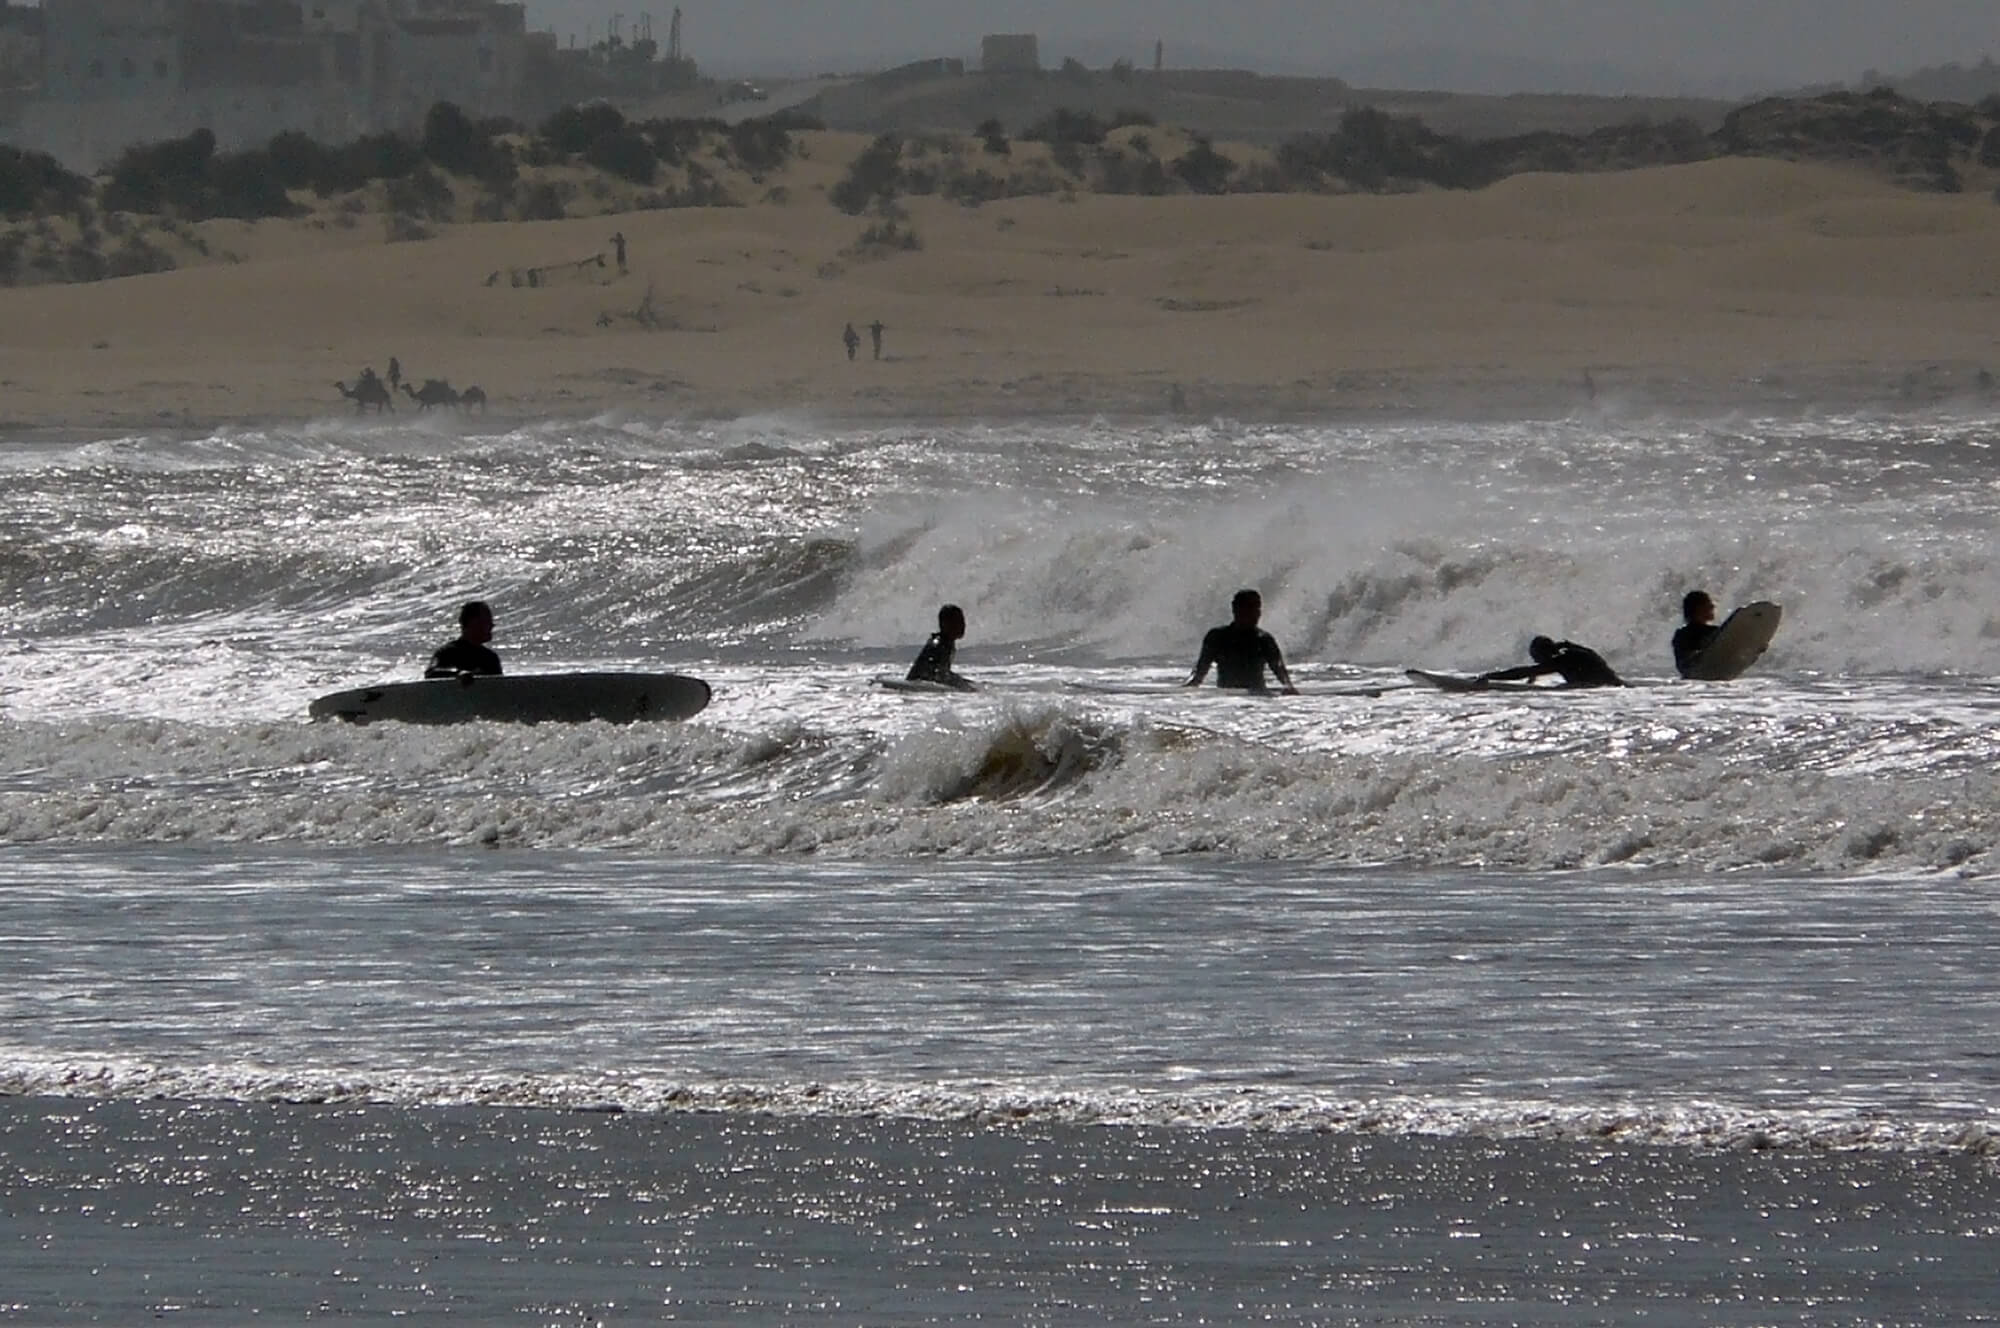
1698, 43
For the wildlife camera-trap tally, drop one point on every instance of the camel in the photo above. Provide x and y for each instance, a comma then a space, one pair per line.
473, 396
368, 392
434, 392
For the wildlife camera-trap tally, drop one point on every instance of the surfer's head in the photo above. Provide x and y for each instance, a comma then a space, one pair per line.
1247, 606
951, 622
475, 621
1697, 607
1541, 650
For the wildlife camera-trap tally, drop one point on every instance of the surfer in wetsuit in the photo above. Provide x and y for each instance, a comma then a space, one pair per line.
469, 654
1240, 651
1697, 633
934, 660
1580, 666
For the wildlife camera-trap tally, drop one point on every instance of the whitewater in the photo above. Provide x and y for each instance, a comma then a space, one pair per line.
1079, 998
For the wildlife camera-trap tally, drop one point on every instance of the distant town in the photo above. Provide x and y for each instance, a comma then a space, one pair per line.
83, 79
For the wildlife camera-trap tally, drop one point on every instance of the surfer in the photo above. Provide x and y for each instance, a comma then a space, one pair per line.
1240, 651
1696, 633
1580, 666
934, 660
469, 654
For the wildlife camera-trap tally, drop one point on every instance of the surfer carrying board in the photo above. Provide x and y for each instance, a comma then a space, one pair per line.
1697, 631
1240, 651
469, 653
1580, 666
934, 660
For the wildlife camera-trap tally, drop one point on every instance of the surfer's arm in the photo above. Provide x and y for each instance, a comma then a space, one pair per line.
1203, 662
1276, 659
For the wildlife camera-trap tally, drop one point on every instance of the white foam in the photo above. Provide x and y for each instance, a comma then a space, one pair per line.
1691, 1124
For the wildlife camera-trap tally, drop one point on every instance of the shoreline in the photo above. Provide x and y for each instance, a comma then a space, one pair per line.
1407, 397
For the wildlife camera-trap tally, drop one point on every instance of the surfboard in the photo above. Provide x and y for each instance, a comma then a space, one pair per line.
1743, 638
548, 698
921, 687
1446, 682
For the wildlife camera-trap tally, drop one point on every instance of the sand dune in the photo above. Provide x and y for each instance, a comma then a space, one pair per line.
1703, 283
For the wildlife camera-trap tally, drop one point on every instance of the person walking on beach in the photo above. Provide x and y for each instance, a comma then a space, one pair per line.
395, 373
618, 248
1697, 631
933, 663
468, 653
875, 330
1241, 650
850, 339
1580, 666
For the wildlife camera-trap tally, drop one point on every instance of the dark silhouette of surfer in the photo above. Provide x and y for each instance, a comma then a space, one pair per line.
1241, 650
1697, 631
850, 339
933, 663
875, 331
1580, 666
469, 653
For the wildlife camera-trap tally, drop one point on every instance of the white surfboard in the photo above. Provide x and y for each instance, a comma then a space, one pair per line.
549, 698
921, 687
1742, 640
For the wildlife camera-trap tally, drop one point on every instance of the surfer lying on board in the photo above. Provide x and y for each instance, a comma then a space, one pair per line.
1696, 633
1580, 666
934, 660
469, 653
1240, 651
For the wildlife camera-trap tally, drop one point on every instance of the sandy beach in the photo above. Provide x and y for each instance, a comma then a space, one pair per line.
1730, 280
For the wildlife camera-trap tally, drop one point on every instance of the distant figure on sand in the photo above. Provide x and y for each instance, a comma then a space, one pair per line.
618, 247
850, 339
1697, 631
875, 331
468, 653
935, 659
1240, 651
1579, 666
395, 373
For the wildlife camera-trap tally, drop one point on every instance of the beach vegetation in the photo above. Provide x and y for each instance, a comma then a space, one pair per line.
760, 145
1063, 125
625, 153
544, 200
453, 141
592, 160
873, 179
33, 183
1203, 169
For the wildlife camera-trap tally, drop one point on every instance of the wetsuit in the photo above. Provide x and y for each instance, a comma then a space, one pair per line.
1689, 642
1239, 655
1580, 666
462, 656
934, 663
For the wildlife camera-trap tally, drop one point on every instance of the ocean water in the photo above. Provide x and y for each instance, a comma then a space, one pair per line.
1080, 999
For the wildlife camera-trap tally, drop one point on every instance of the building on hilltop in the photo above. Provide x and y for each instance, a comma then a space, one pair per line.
117, 72
1015, 53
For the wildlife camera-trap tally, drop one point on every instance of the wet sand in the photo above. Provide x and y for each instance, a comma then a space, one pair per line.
125, 1210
